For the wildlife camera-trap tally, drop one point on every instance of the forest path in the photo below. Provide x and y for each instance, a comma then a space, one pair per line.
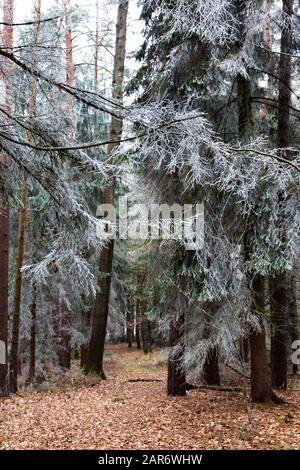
85, 413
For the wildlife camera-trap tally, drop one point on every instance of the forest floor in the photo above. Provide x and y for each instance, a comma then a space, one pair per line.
71, 411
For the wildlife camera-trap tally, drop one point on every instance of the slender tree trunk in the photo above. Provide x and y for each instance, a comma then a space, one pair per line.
64, 350
267, 39
14, 353
32, 337
145, 329
244, 349
129, 322
279, 305
138, 325
70, 72
293, 314
65, 315
245, 114
177, 305
8, 13
85, 328
100, 313
96, 49
261, 390
129, 328
176, 369
279, 302
211, 373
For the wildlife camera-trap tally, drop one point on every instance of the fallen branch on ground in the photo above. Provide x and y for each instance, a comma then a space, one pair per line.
217, 388
238, 371
144, 380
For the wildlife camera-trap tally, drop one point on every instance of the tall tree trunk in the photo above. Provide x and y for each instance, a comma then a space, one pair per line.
64, 350
279, 302
70, 71
100, 313
145, 329
32, 353
65, 315
129, 322
211, 373
267, 39
8, 11
176, 370
14, 353
138, 325
96, 49
85, 328
279, 306
244, 349
293, 314
177, 306
261, 390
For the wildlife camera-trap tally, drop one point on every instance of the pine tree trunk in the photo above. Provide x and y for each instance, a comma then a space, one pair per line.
7, 39
244, 349
145, 329
293, 314
176, 370
96, 49
70, 72
279, 306
129, 322
261, 390
129, 329
211, 373
100, 312
32, 337
279, 302
85, 328
138, 325
64, 350
267, 40
14, 353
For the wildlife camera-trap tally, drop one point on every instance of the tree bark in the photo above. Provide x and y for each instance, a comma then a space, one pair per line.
211, 373
96, 49
176, 370
145, 330
267, 40
32, 354
279, 301
129, 322
8, 13
293, 314
261, 390
100, 312
64, 339
244, 349
279, 305
70, 72
138, 325
14, 353
177, 306
85, 327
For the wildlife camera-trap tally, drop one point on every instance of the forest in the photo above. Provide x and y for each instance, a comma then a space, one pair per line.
149, 225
